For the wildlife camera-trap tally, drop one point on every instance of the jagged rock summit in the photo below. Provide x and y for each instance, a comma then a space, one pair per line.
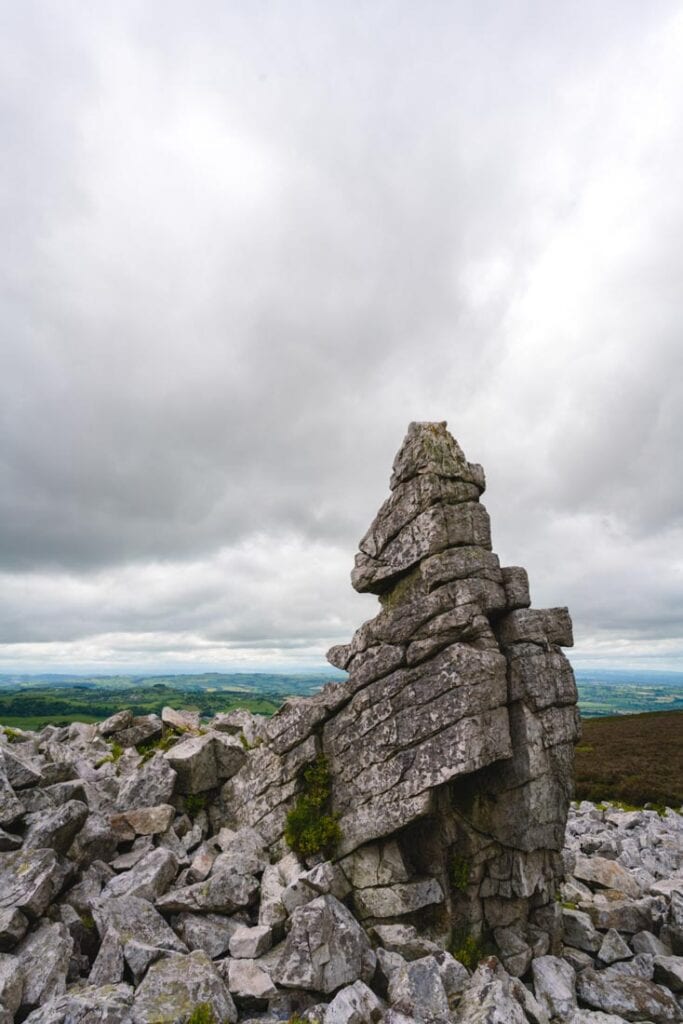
450, 746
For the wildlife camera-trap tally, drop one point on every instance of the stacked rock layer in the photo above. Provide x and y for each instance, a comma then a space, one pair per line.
450, 745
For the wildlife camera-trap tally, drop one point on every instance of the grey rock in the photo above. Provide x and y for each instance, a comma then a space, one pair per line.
490, 998
614, 948
20, 771
247, 981
669, 972
11, 808
210, 932
150, 784
149, 878
203, 762
606, 874
250, 943
376, 864
96, 840
272, 911
135, 920
43, 957
141, 729
13, 927
56, 829
404, 940
554, 985
395, 900
183, 721
629, 997
646, 942
11, 984
579, 931
115, 723
175, 986
108, 1004
30, 880
108, 966
223, 892
354, 1004
325, 949
417, 990
9, 841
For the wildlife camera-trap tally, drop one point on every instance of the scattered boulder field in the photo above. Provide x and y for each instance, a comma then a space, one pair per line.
398, 848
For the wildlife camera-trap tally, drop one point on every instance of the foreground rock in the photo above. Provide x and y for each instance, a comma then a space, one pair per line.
142, 885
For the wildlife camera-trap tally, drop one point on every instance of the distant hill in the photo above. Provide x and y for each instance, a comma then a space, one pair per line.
634, 758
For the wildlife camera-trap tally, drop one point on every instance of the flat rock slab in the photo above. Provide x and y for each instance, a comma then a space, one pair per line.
175, 986
632, 998
30, 880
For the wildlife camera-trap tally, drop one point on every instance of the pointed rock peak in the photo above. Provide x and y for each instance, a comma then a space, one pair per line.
429, 448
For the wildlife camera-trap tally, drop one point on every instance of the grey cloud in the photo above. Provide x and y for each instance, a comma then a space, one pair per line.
249, 244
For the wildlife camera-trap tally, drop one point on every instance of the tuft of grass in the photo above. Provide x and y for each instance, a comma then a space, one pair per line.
115, 752
460, 868
202, 1014
149, 748
309, 829
194, 803
469, 949
13, 735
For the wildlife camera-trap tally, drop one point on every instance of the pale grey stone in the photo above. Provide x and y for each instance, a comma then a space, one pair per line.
417, 990
11, 807
181, 720
405, 940
249, 943
30, 880
148, 785
272, 911
210, 932
223, 892
175, 986
56, 829
579, 931
202, 762
149, 878
11, 984
614, 948
108, 966
554, 985
627, 996
607, 874
325, 949
141, 729
669, 972
395, 900
43, 957
490, 998
135, 919
20, 770
354, 1004
247, 981
646, 942
107, 1004
115, 723
376, 864
13, 927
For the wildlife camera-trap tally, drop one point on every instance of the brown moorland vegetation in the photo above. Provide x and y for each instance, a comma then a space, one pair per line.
636, 759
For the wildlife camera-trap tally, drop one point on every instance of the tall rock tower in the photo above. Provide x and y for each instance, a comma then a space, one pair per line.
462, 728
450, 745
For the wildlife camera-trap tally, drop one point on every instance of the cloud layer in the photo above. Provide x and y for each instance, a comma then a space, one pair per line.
244, 246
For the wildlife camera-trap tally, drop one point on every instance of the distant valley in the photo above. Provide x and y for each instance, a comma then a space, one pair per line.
31, 701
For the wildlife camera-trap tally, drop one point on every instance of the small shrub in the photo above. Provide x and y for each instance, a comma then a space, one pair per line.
460, 868
468, 949
309, 829
194, 803
202, 1014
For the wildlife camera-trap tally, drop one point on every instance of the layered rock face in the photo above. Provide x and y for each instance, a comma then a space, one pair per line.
450, 745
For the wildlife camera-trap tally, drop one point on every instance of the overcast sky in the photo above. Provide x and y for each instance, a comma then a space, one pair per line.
245, 243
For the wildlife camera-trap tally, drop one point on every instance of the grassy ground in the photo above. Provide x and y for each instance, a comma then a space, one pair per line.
636, 759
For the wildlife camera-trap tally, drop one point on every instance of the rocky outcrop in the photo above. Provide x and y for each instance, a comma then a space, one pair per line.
145, 872
451, 742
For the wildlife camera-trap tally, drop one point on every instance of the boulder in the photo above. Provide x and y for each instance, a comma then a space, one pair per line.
175, 986
43, 961
210, 932
354, 1004
250, 943
13, 927
56, 829
325, 949
30, 880
554, 985
108, 1004
223, 892
149, 878
247, 981
629, 997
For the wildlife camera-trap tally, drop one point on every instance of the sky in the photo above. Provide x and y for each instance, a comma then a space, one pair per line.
246, 243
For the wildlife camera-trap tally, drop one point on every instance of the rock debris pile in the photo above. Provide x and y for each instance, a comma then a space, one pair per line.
360, 856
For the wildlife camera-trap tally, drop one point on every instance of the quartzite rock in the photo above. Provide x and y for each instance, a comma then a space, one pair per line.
325, 949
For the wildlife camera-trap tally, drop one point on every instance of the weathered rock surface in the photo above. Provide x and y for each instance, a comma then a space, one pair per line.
136, 885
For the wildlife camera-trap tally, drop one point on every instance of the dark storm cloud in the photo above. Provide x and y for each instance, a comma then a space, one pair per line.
247, 244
